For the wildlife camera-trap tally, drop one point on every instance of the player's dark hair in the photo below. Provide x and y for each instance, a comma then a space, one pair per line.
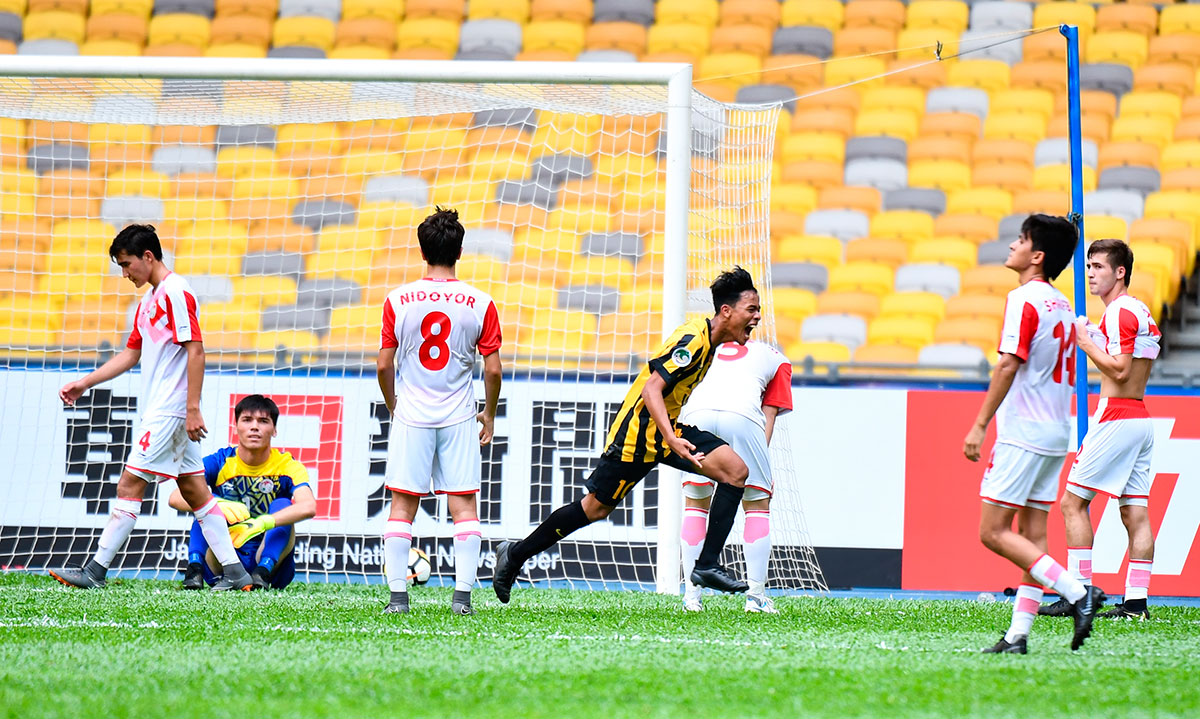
1116, 254
727, 289
135, 241
441, 237
254, 403
1054, 236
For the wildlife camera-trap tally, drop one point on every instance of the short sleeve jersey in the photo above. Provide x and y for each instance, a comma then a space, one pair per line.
1129, 329
1039, 328
254, 486
437, 326
742, 380
682, 362
167, 316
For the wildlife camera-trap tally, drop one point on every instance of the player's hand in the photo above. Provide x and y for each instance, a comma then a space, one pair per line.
685, 449
72, 391
243, 532
234, 511
974, 442
194, 424
486, 427
1082, 336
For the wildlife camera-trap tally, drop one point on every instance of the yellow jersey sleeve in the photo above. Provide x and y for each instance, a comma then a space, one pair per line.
681, 355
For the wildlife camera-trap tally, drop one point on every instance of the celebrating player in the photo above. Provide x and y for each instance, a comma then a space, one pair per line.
748, 387
644, 433
432, 329
1114, 458
1030, 396
263, 493
166, 338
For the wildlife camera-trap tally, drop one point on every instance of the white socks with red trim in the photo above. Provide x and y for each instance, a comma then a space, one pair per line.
120, 523
1079, 563
467, 538
1137, 579
1052, 574
216, 533
1025, 608
397, 541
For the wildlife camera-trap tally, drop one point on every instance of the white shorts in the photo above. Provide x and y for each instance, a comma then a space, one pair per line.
162, 450
444, 460
1016, 478
747, 439
1114, 458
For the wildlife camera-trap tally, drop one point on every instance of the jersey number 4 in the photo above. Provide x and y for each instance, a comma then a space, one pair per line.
1066, 352
144, 442
435, 331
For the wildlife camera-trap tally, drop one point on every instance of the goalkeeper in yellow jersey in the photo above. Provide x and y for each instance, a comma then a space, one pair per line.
263, 493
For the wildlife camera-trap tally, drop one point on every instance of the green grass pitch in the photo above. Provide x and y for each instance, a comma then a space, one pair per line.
148, 649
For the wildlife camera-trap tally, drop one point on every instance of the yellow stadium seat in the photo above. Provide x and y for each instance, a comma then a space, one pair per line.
110, 48
731, 70
1121, 47
571, 10
841, 71
799, 352
959, 254
688, 39
862, 277
945, 175
828, 146
978, 332
1156, 130
1058, 177
266, 186
793, 302
1169, 232
949, 15
1179, 19
353, 265
907, 225
696, 12
81, 237
919, 43
1099, 227
1028, 127
793, 197
821, 13
1179, 155
337, 238
860, 304
138, 182
54, 24
750, 39
1159, 259
599, 270
381, 9
1065, 13
1152, 103
1142, 19
514, 10
214, 236
913, 332
989, 75
884, 13
924, 305
179, 28
863, 40
992, 202
820, 249
882, 354
554, 35
304, 31
245, 161
975, 228
892, 123
1026, 100
428, 33
972, 306
266, 290
907, 99
987, 280
880, 250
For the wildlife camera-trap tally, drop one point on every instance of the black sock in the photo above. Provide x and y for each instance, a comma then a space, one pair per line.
720, 521
1134, 605
566, 519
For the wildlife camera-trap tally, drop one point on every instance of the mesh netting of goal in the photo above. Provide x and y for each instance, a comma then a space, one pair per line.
290, 205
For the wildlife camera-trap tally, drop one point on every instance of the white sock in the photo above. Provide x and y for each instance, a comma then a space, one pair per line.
397, 541
1052, 574
691, 534
1079, 563
216, 533
1025, 608
1137, 579
466, 553
756, 538
120, 523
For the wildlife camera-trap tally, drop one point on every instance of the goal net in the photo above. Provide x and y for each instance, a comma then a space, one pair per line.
288, 194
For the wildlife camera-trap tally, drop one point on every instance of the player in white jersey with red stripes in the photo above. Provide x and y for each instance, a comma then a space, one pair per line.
166, 339
1114, 458
432, 330
1030, 396
746, 389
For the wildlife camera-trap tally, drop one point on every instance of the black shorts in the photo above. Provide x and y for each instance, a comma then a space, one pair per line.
612, 479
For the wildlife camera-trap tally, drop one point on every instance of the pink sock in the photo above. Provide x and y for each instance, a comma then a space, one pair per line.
1137, 579
1025, 608
1052, 574
120, 523
756, 537
216, 533
1079, 563
695, 526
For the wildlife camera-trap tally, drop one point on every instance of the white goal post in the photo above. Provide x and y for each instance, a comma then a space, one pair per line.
600, 200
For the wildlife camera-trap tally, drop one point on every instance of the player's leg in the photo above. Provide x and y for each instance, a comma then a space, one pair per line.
409, 477
193, 578
125, 510
697, 496
1031, 524
467, 539
1135, 515
196, 493
456, 473
397, 543
756, 542
276, 544
721, 517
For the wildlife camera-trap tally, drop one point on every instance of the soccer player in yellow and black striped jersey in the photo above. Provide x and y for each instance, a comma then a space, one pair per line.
644, 431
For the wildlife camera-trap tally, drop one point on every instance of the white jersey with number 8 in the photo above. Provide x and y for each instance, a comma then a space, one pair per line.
1039, 328
436, 327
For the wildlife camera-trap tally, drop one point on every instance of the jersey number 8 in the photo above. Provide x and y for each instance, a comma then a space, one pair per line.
435, 331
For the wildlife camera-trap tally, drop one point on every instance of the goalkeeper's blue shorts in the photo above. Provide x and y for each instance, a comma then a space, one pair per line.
284, 573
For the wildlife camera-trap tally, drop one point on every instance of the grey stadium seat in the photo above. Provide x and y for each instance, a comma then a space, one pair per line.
491, 34
329, 292
331, 9
117, 108
295, 317
613, 244
1000, 15
211, 89
205, 8
1126, 204
525, 118
1139, 179
924, 199
297, 52
803, 40
397, 188
1117, 79
952, 355
174, 159
883, 175
129, 209
849, 330
485, 55
767, 94
958, 99
497, 243
876, 147
593, 298
606, 56
525, 192
802, 275
637, 11
11, 27
57, 156
845, 225
48, 46
983, 45
263, 135
939, 279
316, 214
1057, 151
557, 169
273, 262
211, 288
993, 252
1010, 227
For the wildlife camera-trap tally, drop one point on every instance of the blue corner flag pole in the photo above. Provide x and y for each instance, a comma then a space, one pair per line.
1071, 33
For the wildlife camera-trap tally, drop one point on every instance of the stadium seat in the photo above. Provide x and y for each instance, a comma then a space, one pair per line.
691, 40
907, 225
924, 199
959, 254
842, 224
974, 228
1121, 47
847, 330
989, 201
54, 25
976, 306
980, 332
858, 304
848, 197
807, 42
864, 40
626, 36
1125, 204
937, 278
858, 70
988, 280
950, 15
914, 332
883, 175
884, 13
428, 34
305, 31
1179, 19
554, 35
884, 251
861, 277
705, 13
923, 305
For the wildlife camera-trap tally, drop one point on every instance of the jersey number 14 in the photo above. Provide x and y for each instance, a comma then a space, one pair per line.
1066, 352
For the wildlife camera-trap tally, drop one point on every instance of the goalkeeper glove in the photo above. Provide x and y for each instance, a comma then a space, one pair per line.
243, 532
234, 511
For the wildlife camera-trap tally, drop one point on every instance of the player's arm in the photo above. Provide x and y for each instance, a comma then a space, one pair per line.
1002, 379
492, 375
303, 506
194, 423
652, 396
777, 397
120, 363
385, 371
176, 501
1115, 367
770, 412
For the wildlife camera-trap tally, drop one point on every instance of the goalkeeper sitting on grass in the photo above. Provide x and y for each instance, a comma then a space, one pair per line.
263, 493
